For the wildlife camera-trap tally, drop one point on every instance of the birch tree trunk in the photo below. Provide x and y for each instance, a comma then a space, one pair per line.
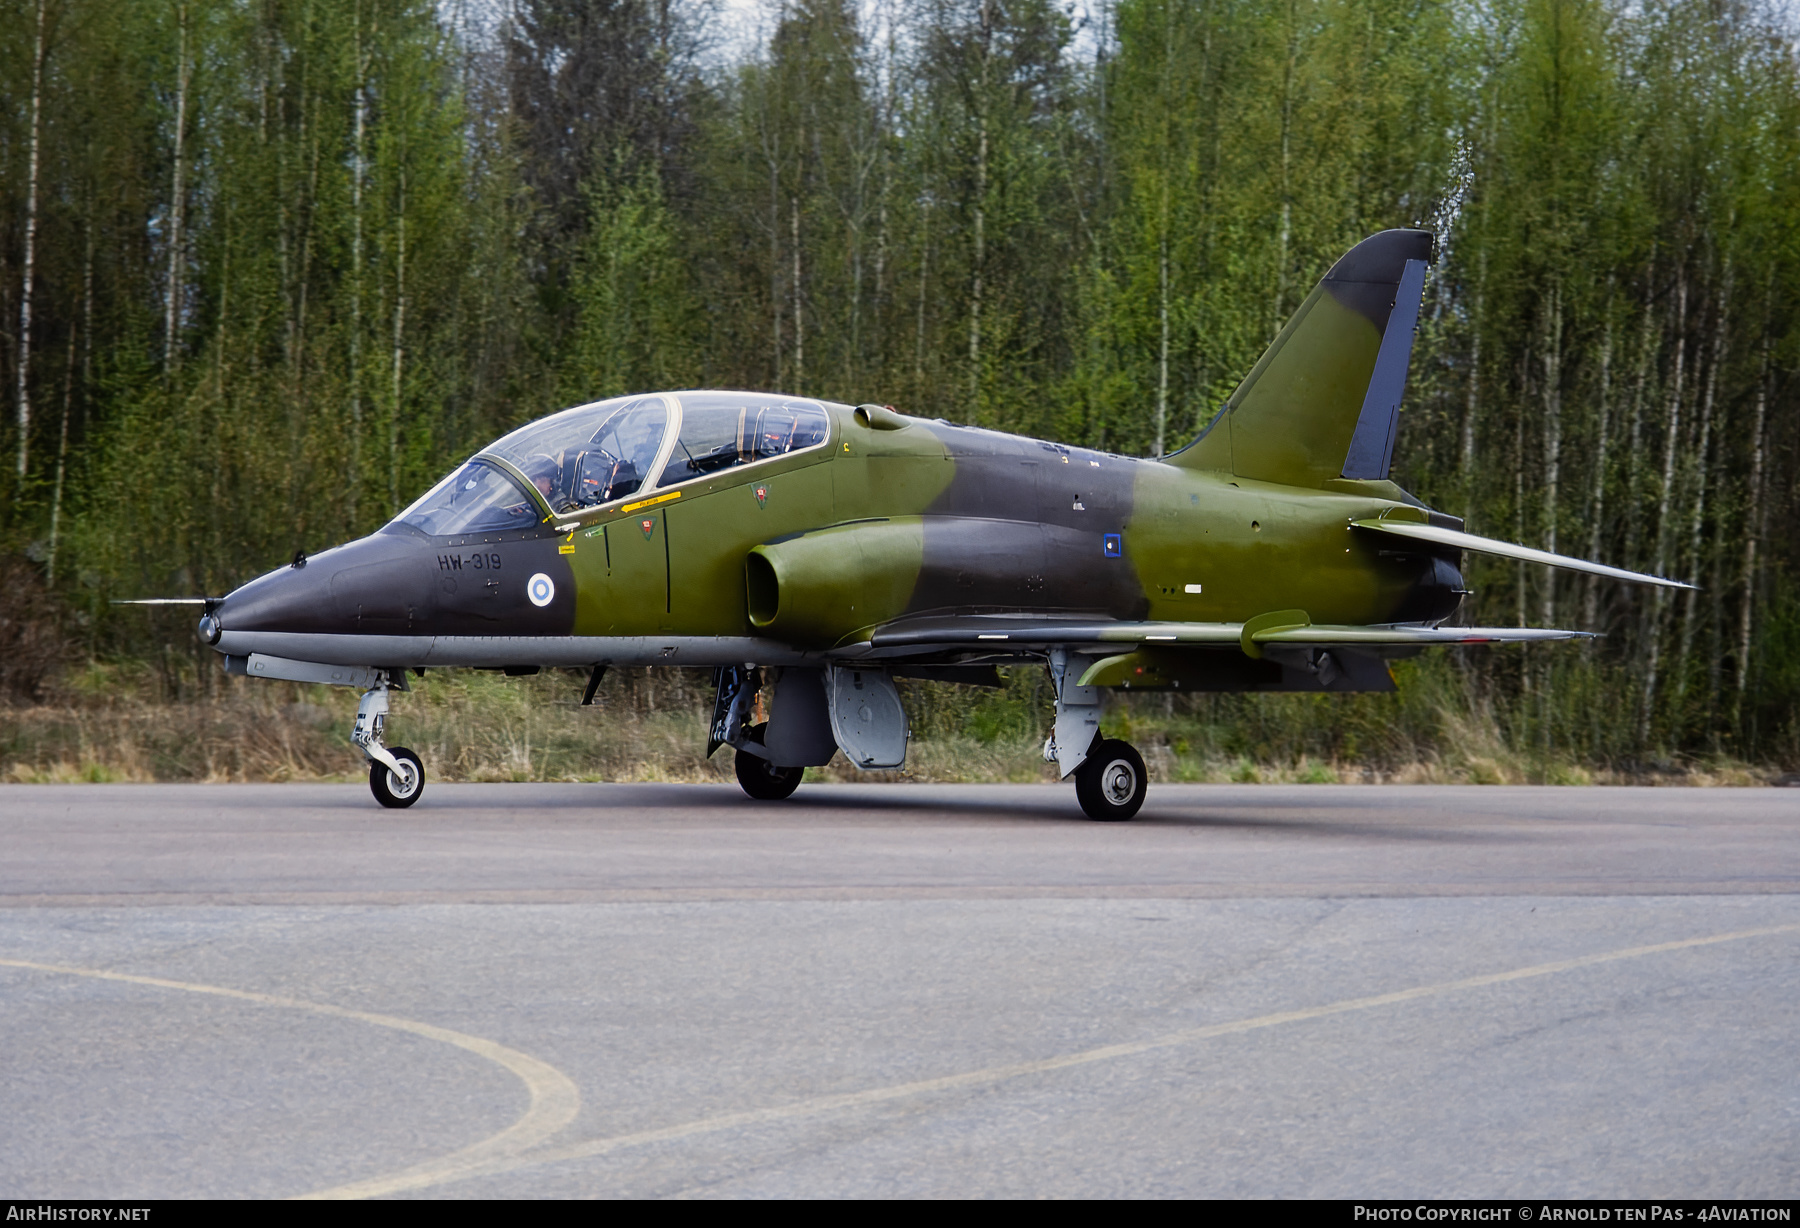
1162, 234
1697, 514
177, 195
399, 348
1635, 435
981, 176
358, 167
1552, 444
1521, 596
1287, 198
772, 155
924, 282
1466, 452
62, 455
38, 53
1597, 498
1752, 517
1671, 441
799, 320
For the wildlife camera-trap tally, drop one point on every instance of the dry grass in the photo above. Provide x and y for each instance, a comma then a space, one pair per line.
104, 724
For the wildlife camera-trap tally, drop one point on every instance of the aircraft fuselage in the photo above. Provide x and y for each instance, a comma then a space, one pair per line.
886, 518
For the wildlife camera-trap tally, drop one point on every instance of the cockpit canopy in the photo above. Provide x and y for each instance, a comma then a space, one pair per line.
597, 454
591, 455
478, 498
720, 430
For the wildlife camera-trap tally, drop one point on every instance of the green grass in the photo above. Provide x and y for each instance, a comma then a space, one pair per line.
108, 722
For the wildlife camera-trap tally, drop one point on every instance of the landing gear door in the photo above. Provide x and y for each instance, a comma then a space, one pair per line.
866, 717
799, 732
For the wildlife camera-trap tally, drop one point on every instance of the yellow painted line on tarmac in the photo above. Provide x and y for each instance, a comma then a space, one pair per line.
555, 1100
554, 1097
1000, 1074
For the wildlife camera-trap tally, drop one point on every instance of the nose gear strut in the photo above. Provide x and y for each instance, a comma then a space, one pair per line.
396, 777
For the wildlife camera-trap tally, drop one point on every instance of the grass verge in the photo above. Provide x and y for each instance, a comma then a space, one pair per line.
107, 723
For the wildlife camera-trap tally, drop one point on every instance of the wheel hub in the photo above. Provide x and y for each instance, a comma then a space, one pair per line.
1118, 782
404, 781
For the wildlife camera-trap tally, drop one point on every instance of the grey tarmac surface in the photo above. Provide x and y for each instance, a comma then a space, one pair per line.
671, 991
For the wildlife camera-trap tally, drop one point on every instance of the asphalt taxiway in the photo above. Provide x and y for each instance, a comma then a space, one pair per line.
669, 990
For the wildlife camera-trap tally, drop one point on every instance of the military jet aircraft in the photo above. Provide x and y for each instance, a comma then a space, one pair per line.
824, 550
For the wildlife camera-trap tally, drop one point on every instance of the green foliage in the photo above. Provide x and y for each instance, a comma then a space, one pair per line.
635, 327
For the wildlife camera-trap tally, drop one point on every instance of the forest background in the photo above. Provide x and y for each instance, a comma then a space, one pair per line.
268, 268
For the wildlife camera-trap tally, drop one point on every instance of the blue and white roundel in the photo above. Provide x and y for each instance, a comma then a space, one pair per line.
541, 589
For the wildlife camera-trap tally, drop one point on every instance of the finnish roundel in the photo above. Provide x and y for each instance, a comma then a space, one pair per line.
541, 589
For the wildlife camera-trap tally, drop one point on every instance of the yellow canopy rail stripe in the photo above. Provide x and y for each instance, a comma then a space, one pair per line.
643, 503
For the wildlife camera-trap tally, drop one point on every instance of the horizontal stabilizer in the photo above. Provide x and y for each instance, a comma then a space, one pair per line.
206, 601
1506, 550
1324, 634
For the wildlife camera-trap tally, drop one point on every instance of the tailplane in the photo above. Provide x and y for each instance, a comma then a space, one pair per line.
1324, 401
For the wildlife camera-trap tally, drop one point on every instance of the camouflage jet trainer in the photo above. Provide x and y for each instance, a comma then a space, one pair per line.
824, 550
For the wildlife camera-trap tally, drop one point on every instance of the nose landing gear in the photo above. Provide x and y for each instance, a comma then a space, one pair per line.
398, 789
396, 777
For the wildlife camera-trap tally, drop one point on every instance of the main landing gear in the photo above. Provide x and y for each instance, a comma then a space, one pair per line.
769, 767
1110, 781
396, 777
763, 780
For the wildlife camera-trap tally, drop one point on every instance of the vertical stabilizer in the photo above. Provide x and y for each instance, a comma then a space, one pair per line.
1323, 401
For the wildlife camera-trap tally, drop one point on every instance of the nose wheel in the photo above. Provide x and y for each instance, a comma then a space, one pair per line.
1111, 783
398, 789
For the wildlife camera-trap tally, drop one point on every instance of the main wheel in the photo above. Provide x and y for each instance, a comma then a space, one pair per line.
1111, 783
763, 780
397, 792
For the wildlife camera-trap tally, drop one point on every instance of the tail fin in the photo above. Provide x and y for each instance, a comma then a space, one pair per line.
1323, 401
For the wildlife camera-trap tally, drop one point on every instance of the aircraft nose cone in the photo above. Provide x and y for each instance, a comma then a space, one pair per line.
376, 585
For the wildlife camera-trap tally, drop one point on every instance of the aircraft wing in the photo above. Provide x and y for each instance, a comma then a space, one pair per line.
996, 630
1489, 545
977, 631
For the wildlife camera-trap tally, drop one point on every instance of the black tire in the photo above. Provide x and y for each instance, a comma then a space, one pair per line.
1111, 783
390, 790
763, 780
